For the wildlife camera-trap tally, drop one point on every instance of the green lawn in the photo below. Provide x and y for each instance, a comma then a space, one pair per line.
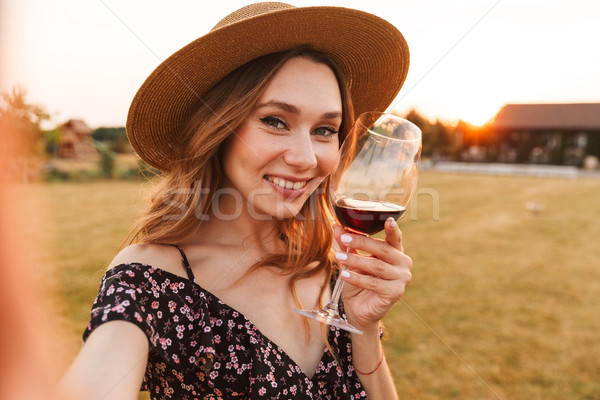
504, 304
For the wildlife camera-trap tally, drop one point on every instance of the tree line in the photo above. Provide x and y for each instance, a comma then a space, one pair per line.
444, 141
441, 140
24, 120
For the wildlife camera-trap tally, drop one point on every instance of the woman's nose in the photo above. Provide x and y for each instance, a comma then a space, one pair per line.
301, 153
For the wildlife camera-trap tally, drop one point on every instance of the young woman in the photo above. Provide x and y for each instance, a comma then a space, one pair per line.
247, 122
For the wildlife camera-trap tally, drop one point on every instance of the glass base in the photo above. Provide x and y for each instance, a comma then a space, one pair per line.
329, 317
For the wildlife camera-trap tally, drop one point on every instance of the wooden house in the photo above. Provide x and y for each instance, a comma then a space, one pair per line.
76, 141
564, 134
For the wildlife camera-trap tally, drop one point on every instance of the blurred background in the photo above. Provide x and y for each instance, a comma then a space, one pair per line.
502, 229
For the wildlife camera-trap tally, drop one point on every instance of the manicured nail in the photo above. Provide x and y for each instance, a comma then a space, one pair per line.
345, 274
393, 223
341, 256
346, 238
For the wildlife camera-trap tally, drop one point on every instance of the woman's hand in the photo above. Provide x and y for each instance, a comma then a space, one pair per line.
375, 282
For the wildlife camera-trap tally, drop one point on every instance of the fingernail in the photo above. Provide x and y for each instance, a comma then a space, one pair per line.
345, 274
341, 256
345, 238
393, 223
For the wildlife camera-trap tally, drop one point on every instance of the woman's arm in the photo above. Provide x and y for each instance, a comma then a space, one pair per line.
367, 354
110, 365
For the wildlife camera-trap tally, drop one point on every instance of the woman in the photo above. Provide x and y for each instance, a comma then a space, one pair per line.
238, 232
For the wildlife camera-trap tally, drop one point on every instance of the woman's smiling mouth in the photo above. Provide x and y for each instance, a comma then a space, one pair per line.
287, 184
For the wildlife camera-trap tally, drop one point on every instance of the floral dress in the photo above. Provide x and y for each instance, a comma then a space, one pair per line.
201, 348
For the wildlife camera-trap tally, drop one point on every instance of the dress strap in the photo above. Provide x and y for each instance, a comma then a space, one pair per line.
186, 263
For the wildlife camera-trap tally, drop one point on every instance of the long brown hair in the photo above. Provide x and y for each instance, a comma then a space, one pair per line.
187, 192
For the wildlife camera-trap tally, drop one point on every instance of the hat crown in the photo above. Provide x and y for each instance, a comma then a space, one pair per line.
371, 53
251, 11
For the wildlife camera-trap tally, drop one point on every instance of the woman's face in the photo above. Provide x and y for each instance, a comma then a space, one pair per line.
288, 143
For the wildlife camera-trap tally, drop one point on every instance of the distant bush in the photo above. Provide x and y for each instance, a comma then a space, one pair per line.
115, 138
53, 174
106, 163
56, 175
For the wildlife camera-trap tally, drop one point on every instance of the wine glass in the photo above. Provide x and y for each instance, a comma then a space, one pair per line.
376, 177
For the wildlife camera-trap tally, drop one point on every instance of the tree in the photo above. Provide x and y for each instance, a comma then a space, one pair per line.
425, 126
417, 119
22, 121
116, 138
439, 140
21, 138
107, 160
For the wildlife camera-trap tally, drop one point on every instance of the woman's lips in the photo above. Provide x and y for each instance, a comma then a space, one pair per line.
290, 189
287, 183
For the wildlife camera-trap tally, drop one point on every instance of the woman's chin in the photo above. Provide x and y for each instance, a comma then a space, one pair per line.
278, 212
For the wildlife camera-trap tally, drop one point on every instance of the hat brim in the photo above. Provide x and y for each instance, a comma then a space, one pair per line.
370, 51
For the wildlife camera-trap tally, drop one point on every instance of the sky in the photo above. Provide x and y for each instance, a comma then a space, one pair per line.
86, 58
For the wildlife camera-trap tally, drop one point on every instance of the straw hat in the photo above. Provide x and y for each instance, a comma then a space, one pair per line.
370, 51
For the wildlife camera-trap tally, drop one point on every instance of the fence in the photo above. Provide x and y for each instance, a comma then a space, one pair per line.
544, 171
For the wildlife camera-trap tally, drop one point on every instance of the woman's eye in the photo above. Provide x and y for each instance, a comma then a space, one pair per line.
325, 131
274, 122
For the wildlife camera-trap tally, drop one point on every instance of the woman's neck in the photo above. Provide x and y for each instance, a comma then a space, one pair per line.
241, 230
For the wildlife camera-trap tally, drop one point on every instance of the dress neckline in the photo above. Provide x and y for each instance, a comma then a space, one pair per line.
252, 326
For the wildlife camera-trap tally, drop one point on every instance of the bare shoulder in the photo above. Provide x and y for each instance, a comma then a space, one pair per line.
160, 256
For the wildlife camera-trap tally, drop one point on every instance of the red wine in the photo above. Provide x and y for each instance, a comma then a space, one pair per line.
366, 217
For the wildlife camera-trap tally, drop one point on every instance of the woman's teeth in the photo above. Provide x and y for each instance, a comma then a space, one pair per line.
287, 184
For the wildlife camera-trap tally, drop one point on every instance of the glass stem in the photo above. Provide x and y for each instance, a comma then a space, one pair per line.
332, 306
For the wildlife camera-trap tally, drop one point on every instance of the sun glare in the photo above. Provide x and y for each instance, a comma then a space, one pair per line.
478, 117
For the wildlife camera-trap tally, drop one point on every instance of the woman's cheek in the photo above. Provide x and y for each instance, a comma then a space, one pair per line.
330, 158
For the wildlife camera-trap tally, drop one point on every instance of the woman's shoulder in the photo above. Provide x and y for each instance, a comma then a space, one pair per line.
162, 256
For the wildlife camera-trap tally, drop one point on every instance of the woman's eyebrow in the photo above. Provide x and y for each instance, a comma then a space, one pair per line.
332, 115
294, 110
279, 104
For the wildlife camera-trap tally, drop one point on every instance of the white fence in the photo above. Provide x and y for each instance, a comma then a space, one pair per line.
544, 171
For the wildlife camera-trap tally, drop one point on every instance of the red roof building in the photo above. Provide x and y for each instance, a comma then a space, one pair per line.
548, 133
76, 141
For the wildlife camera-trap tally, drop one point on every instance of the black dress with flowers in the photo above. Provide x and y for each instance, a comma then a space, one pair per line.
200, 348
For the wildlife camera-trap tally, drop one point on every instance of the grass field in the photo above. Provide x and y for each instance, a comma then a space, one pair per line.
504, 304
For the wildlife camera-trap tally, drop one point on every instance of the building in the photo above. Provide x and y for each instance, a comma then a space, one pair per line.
564, 134
76, 141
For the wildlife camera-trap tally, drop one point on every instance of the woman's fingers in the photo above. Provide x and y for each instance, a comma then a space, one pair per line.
390, 288
338, 231
393, 235
387, 250
387, 271
371, 265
